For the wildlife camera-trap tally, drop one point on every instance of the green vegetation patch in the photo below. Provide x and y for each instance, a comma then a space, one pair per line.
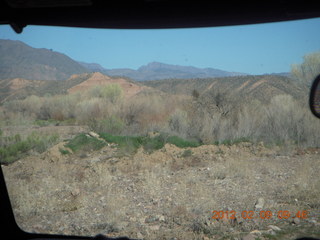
182, 143
82, 142
132, 143
64, 151
127, 143
44, 123
53, 122
14, 147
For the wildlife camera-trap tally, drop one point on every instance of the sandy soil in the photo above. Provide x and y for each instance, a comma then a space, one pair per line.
168, 194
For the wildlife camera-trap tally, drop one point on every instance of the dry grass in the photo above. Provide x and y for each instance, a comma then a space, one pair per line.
146, 191
306, 189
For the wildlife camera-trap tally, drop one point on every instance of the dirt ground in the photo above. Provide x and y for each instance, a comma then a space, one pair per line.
171, 193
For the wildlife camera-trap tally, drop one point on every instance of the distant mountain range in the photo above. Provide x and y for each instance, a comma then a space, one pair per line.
158, 71
18, 60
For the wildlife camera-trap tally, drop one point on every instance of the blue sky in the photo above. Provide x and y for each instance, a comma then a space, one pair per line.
253, 49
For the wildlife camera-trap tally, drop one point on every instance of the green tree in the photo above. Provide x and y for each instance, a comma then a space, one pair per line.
306, 72
111, 92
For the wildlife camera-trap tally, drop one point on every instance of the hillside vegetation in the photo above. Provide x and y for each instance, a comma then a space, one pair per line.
19, 88
259, 87
270, 109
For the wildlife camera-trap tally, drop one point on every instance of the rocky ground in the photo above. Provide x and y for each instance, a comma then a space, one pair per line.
171, 193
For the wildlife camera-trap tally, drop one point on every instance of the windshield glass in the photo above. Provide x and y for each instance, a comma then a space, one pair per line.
162, 134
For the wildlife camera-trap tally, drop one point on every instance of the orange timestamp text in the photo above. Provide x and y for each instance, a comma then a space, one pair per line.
283, 214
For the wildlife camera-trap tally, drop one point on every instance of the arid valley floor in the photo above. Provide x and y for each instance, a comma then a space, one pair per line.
170, 193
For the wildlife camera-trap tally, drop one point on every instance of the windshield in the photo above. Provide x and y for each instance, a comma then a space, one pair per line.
162, 134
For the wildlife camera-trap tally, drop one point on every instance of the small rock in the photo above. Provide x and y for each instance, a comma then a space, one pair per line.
93, 134
150, 219
75, 192
114, 160
274, 228
154, 227
260, 203
256, 232
83, 155
249, 237
296, 220
205, 238
142, 220
271, 232
104, 157
95, 160
162, 219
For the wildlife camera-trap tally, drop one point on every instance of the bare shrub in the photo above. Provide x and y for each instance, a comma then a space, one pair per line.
132, 110
15, 118
89, 110
178, 122
209, 128
59, 107
306, 72
145, 113
210, 125
284, 120
44, 111
250, 118
32, 104
26, 107
221, 101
